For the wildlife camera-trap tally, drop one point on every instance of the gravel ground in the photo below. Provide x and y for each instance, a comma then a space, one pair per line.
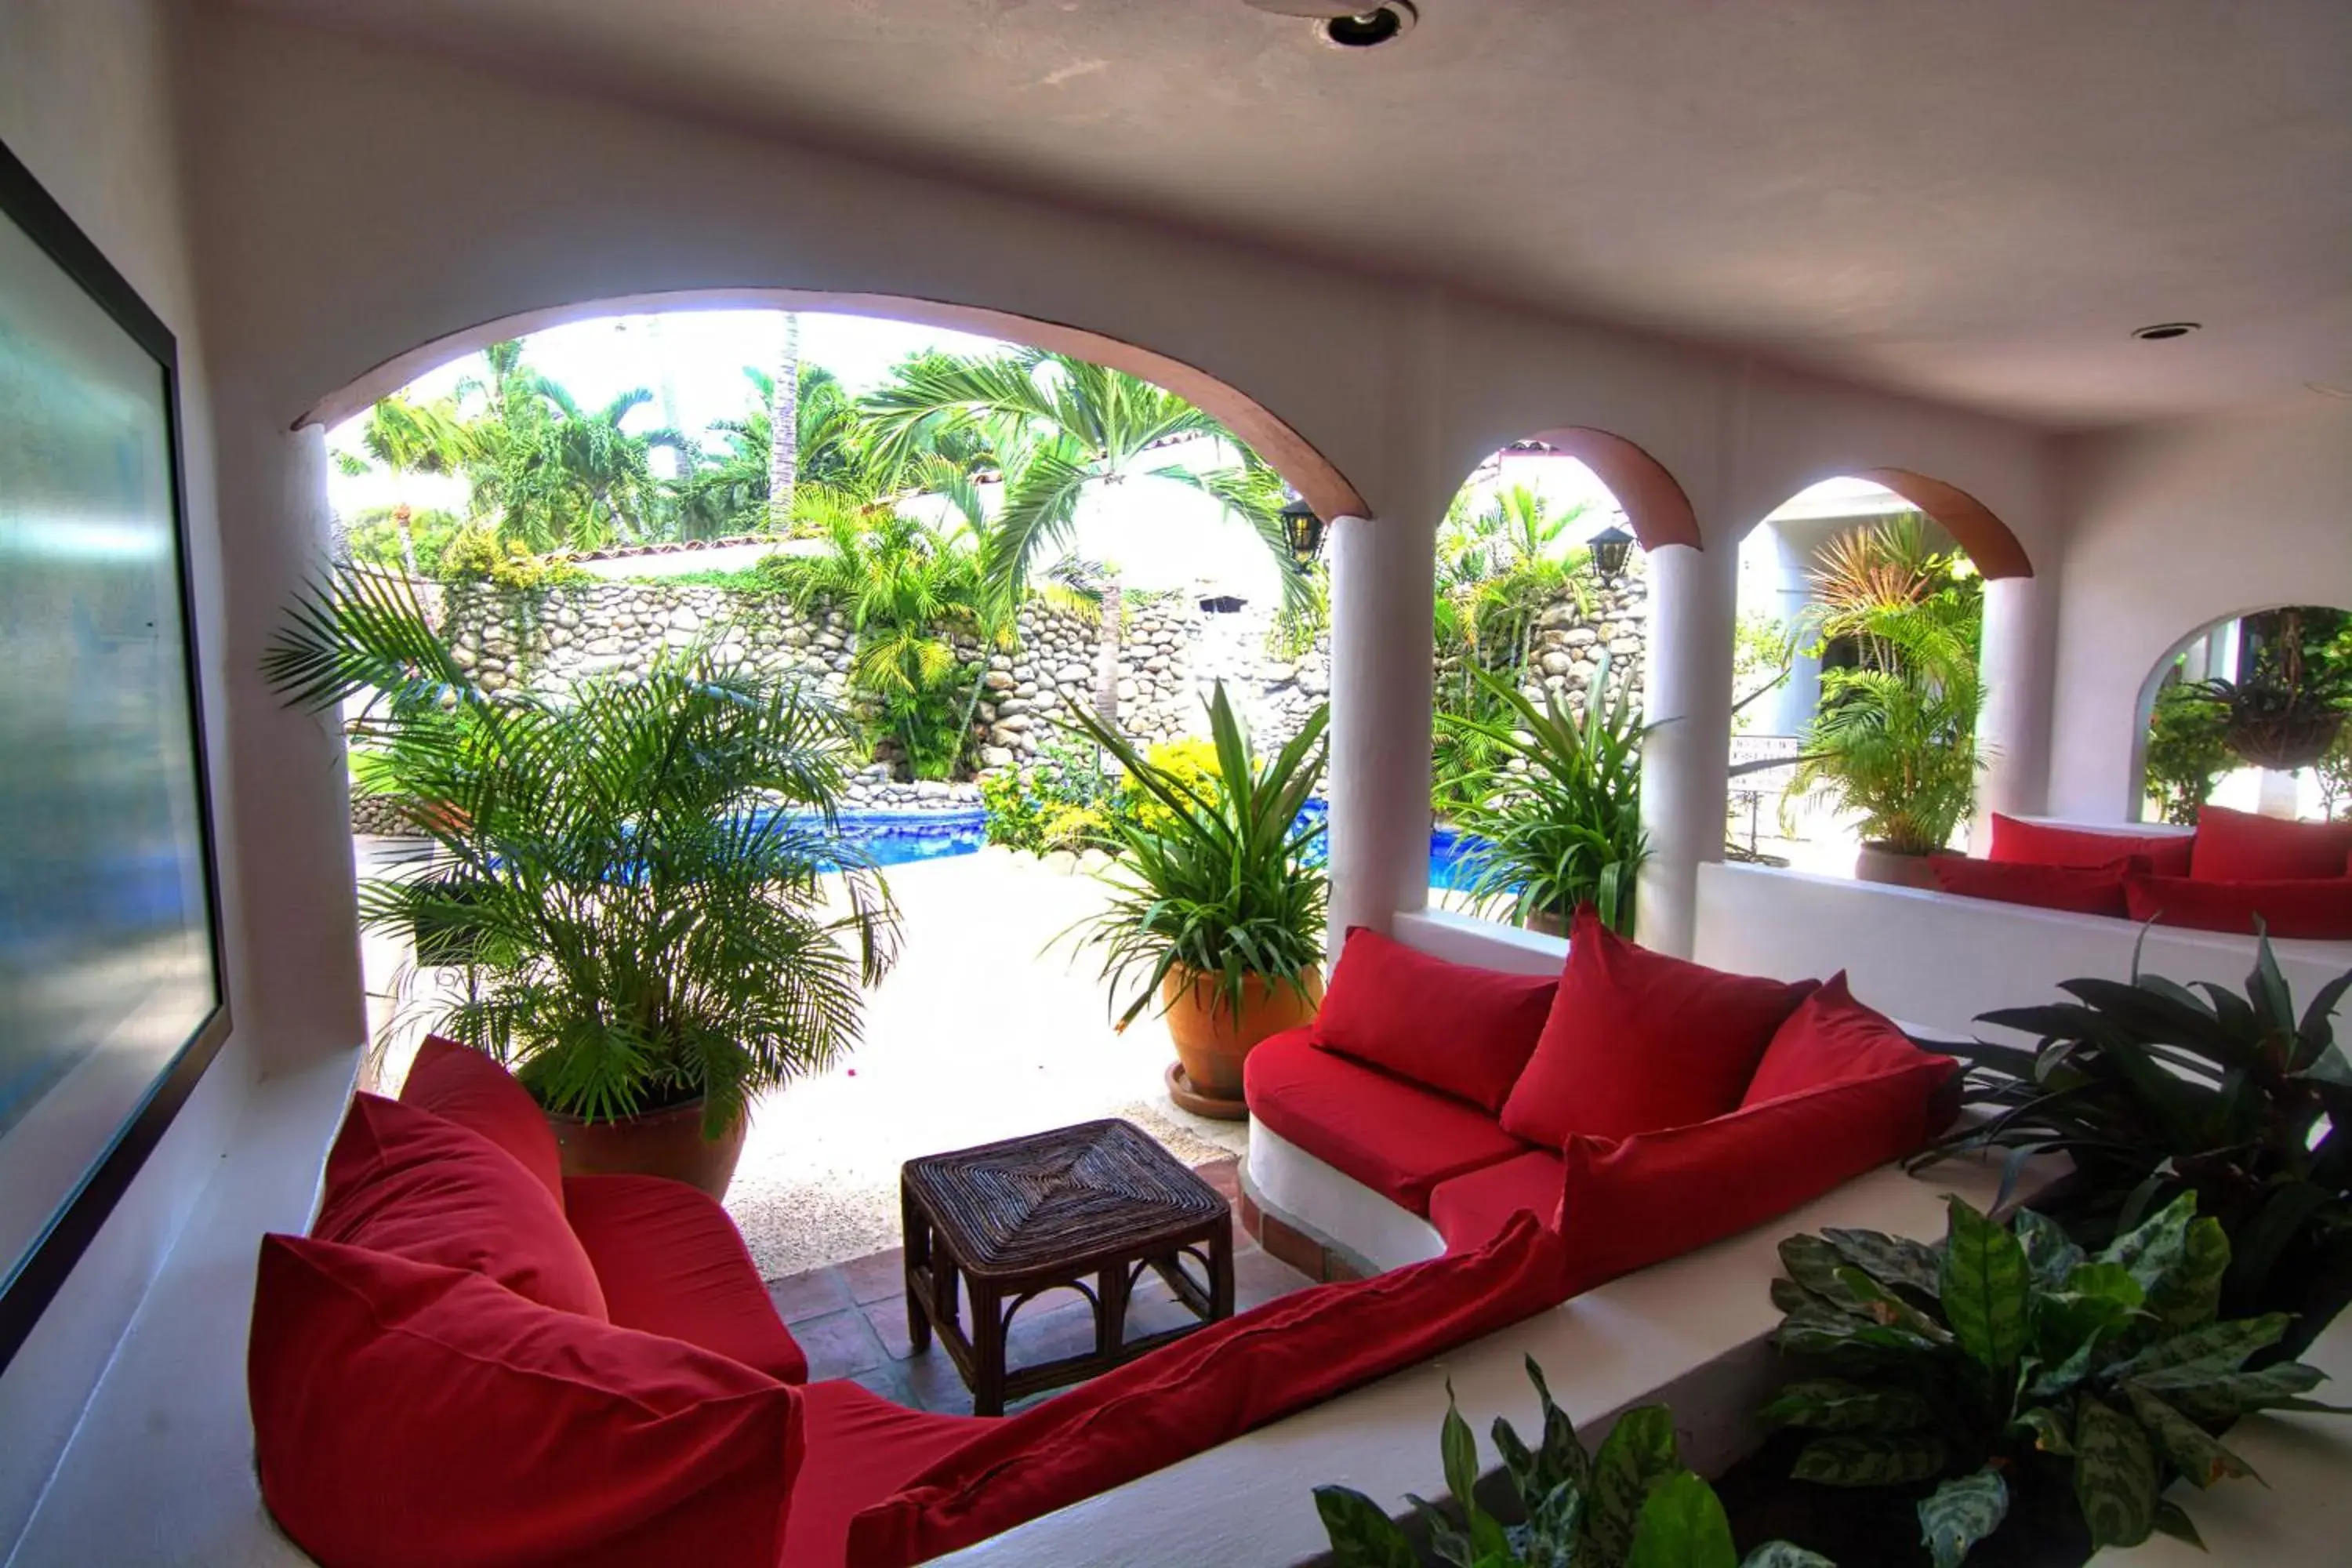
977, 1034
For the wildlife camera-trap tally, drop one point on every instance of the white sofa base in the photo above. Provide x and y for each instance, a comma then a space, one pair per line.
1333, 1207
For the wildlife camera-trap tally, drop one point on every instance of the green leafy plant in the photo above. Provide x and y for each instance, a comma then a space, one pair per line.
1067, 802
1228, 887
1630, 1504
477, 554
2188, 749
1564, 828
2156, 1090
634, 872
2012, 1368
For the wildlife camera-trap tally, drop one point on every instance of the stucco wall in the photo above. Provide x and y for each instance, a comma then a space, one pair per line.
87, 102
2173, 527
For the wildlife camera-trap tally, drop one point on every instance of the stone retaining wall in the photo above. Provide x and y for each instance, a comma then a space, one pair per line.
1171, 652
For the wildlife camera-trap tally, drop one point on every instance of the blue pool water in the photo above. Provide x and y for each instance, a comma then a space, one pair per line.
899, 837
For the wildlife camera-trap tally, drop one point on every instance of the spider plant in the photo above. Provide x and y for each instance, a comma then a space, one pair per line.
1566, 830
1222, 882
634, 873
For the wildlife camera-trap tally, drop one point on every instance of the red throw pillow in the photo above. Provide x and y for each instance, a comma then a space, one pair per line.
2295, 907
405, 1414
1462, 1031
1208, 1388
403, 1181
2240, 847
1627, 1205
2018, 842
1832, 1039
2078, 890
460, 1084
1637, 1041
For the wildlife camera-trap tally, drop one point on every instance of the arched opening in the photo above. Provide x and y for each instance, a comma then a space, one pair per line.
2254, 713
1541, 634
1858, 683
981, 1037
1312, 475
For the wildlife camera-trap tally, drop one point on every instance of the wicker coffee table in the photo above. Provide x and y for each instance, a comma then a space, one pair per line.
1089, 1207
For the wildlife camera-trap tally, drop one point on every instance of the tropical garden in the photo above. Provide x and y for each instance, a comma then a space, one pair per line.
932, 506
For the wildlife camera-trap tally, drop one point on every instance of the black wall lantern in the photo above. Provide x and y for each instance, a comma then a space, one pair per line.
1609, 547
1304, 530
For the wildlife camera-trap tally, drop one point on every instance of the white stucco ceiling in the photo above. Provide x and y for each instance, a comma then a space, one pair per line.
1977, 201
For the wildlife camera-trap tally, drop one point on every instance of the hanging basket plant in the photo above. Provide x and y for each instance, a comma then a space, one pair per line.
2289, 737
2286, 710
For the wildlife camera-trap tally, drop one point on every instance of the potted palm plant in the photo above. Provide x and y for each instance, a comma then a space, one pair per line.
634, 877
1217, 903
1894, 738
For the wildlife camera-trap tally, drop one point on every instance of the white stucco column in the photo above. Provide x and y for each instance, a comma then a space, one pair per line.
1694, 598
2013, 732
1383, 592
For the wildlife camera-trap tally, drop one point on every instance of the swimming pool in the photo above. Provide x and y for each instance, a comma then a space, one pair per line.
901, 837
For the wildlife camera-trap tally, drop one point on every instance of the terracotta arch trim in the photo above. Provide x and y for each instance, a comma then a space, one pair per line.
1994, 550
1653, 504
1291, 455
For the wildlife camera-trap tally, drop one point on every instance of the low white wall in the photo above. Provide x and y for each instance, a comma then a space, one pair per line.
1936, 961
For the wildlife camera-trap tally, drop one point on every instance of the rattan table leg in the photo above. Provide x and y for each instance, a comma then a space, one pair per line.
915, 1231
987, 1350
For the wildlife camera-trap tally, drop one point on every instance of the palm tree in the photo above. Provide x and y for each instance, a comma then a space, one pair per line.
555, 474
784, 426
409, 438
906, 588
1062, 428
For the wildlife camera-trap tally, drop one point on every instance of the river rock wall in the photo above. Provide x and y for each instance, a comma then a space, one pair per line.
1171, 652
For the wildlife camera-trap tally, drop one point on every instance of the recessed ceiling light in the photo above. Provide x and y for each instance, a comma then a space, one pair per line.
1369, 29
2164, 331
2329, 389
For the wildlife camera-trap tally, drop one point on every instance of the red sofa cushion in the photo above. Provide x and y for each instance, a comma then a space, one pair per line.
1627, 1205
2019, 842
858, 1449
2077, 890
1637, 1041
404, 1181
459, 1084
1397, 1138
1207, 1388
405, 1414
1464, 1030
2296, 907
1832, 1037
671, 1262
2240, 847
1471, 1211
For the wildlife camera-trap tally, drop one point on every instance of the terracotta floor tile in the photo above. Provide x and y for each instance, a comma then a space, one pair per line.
1223, 1174
933, 1383
890, 1383
878, 1276
839, 1345
889, 1320
1259, 1277
809, 1295
1040, 1336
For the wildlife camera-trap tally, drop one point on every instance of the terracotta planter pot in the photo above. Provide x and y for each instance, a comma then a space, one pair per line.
659, 1143
1211, 1044
1874, 862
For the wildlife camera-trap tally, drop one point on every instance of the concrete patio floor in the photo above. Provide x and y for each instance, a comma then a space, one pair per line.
978, 1033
